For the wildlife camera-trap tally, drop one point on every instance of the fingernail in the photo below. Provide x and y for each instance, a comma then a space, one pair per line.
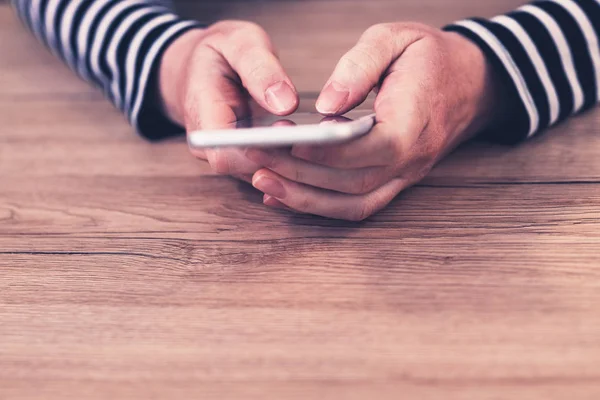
332, 98
269, 186
281, 97
272, 202
309, 153
259, 157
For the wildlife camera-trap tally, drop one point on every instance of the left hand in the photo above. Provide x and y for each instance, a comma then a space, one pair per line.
435, 90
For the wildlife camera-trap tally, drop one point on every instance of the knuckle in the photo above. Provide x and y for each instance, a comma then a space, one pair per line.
259, 70
233, 26
214, 38
223, 26
220, 163
240, 40
381, 31
249, 27
353, 69
250, 32
253, 62
415, 30
415, 27
389, 31
366, 62
245, 51
362, 211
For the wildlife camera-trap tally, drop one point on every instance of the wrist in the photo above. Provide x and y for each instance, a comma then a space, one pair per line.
173, 72
487, 96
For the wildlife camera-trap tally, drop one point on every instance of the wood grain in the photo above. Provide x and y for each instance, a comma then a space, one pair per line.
130, 271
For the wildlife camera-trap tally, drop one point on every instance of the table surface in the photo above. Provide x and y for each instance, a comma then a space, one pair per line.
129, 270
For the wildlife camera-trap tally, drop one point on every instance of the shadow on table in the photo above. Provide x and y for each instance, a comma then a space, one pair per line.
297, 220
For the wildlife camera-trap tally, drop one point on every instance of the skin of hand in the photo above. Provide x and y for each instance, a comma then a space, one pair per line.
209, 78
435, 90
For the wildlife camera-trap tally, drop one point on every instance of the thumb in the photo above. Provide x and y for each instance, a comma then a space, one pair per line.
363, 67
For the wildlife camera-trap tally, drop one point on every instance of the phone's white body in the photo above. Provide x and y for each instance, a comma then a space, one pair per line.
284, 135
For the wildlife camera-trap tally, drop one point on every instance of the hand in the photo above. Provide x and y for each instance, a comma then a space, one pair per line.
208, 78
435, 90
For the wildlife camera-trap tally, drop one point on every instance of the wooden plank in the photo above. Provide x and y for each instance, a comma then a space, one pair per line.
205, 207
130, 271
114, 313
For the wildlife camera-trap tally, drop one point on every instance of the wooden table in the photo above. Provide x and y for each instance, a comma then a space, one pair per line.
127, 270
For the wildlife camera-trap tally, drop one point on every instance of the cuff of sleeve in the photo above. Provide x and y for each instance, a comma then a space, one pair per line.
521, 123
146, 114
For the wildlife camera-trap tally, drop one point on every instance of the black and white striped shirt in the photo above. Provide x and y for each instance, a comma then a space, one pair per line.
547, 53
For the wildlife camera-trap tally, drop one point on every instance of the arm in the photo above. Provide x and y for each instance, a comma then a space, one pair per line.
167, 74
547, 55
508, 78
117, 45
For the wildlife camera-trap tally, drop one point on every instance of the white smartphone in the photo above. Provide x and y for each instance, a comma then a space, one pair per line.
299, 128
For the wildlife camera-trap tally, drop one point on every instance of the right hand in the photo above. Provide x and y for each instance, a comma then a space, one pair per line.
209, 76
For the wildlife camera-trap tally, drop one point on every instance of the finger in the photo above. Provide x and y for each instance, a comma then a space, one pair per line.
308, 199
213, 99
361, 69
249, 51
351, 181
334, 119
283, 122
199, 153
233, 161
402, 115
272, 202
219, 107
230, 161
389, 142
375, 149
226, 162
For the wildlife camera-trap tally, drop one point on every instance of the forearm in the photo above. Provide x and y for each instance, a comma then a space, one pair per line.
547, 56
117, 45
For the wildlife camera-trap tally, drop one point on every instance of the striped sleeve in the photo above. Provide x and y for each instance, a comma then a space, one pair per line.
547, 54
115, 44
